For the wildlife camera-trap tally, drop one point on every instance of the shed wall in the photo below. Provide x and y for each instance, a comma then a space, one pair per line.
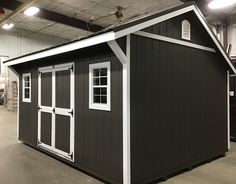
98, 134
178, 108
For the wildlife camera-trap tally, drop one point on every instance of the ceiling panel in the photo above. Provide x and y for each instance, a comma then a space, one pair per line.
92, 11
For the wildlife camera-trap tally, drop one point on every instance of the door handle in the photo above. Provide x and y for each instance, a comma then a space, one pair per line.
53, 110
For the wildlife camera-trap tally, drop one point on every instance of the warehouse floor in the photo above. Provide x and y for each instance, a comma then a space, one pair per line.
20, 164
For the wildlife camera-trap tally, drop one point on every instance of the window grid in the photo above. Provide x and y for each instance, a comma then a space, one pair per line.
26, 87
99, 86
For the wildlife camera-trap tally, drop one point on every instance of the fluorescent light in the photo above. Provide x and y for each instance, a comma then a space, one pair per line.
31, 11
8, 26
219, 4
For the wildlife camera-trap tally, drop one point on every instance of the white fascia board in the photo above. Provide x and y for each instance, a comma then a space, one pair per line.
66, 48
154, 21
200, 17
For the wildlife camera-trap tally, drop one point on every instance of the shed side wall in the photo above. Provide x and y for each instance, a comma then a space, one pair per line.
178, 108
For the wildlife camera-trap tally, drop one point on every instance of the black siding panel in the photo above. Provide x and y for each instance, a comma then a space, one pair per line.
62, 133
233, 109
178, 108
99, 137
98, 134
46, 128
28, 115
63, 89
46, 89
172, 28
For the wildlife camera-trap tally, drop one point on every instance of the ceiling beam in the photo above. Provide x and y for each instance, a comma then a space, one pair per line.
54, 16
22, 7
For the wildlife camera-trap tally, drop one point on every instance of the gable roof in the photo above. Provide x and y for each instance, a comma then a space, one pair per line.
124, 29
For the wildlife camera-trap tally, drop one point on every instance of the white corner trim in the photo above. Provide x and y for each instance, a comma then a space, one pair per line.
228, 109
126, 117
199, 15
175, 41
65, 48
153, 21
118, 51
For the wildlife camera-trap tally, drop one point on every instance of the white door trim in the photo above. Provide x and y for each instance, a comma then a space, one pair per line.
61, 111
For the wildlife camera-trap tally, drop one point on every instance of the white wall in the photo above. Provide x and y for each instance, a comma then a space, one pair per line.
232, 34
14, 44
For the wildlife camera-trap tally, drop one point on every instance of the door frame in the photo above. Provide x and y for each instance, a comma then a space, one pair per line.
53, 110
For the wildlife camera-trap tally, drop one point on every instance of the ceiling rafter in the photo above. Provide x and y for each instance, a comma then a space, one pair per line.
54, 16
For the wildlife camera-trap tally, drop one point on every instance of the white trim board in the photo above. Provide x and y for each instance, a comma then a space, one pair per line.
105, 37
175, 41
218, 44
125, 61
154, 21
228, 109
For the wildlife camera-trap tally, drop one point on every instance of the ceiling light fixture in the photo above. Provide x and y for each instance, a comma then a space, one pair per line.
219, 4
31, 11
8, 26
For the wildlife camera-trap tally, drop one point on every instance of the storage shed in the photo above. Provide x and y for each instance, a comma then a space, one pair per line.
133, 103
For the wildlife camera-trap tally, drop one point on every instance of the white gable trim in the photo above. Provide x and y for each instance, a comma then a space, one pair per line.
174, 41
65, 48
154, 21
200, 17
109, 36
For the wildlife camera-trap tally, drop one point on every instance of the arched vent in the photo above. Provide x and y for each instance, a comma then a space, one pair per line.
186, 30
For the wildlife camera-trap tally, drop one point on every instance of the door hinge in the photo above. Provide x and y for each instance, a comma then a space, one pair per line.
72, 113
71, 155
72, 68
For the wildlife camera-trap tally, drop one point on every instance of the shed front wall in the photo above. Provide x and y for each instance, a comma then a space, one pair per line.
178, 102
98, 134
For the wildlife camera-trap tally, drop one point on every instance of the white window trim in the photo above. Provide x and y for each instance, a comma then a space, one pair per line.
28, 100
97, 106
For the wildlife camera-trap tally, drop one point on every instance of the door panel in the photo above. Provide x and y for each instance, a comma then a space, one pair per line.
62, 133
56, 107
46, 89
46, 128
63, 89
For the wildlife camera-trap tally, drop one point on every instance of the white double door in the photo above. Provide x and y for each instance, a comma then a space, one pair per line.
56, 110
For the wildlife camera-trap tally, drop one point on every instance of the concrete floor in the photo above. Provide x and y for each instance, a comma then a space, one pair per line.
20, 164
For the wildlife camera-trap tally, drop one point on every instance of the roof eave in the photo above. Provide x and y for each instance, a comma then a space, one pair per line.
102, 38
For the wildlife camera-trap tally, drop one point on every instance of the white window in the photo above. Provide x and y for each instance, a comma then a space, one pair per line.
99, 86
26, 87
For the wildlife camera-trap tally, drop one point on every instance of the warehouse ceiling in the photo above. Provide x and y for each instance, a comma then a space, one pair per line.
72, 19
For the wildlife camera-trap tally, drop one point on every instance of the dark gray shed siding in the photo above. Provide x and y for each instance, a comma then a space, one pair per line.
178, 108
98, 134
